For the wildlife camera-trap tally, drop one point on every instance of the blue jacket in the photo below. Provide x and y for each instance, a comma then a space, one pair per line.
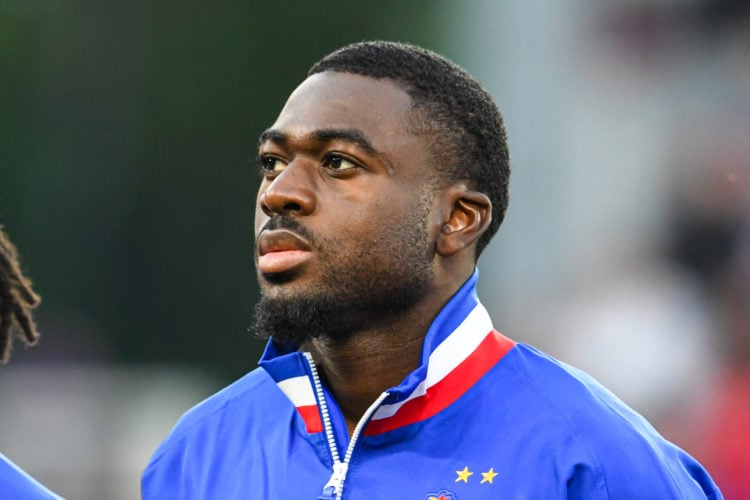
482, 417
15, 484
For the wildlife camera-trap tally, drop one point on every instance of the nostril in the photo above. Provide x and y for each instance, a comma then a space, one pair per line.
266, 209
291, 207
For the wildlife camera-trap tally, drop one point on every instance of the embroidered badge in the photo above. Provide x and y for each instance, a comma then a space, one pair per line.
441, 495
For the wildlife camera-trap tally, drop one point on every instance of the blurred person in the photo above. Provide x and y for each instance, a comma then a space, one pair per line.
17, 299
715, 424
642, 327
384, 177
712, 241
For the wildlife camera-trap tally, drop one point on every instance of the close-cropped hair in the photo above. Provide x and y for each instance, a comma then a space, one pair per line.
17, 299
469, 141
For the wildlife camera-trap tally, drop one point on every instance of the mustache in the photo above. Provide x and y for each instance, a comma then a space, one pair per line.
281, 222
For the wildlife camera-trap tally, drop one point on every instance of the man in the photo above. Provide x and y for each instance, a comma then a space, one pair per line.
384, 178
17, 299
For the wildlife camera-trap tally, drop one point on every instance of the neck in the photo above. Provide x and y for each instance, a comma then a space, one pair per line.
380, 354
362, 366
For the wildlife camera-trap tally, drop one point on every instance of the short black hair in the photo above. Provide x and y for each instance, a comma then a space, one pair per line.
470, 141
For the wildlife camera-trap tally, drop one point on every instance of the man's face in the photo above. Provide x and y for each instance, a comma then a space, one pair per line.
344, 236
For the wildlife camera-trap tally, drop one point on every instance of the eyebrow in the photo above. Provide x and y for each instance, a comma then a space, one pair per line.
352, 135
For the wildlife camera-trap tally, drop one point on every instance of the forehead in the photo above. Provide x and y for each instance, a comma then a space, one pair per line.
331, 100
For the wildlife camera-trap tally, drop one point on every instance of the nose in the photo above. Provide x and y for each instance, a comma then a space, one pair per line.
289, 192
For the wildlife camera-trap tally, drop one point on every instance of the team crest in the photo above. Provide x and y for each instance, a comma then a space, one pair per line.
441, 495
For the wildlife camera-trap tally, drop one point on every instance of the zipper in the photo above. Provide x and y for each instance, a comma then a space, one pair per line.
334, 488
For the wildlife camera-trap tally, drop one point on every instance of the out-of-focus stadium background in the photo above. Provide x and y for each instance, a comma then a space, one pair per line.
127, 181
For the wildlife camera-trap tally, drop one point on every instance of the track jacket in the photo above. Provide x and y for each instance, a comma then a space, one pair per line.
482, 417
16, 484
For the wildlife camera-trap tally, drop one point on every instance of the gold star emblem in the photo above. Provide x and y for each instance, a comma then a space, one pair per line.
488, 476
463, 475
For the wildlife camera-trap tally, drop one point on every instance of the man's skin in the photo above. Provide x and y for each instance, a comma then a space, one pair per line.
340, 162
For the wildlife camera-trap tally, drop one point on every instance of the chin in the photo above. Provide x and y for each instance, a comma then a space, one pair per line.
283, 287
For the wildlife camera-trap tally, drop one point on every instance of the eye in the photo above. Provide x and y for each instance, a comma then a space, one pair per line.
270, 164
338, 162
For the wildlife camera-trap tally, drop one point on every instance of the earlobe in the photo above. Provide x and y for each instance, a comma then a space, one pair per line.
468, 217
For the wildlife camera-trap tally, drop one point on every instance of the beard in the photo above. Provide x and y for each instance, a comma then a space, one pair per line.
377, 281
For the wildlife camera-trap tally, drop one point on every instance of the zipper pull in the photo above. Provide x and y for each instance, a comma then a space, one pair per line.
332, 489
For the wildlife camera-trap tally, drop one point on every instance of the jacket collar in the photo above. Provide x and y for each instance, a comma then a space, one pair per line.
459, 348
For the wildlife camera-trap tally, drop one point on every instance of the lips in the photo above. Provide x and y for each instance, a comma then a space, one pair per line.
281, 250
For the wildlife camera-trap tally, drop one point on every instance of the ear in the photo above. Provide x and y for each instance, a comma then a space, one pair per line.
466, 216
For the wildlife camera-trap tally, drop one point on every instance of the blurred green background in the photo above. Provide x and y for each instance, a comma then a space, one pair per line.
127, 145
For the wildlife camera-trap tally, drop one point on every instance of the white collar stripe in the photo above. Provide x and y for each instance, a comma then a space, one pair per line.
298, 390
458, 346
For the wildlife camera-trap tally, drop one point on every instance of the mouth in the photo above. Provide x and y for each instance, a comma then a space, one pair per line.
280, 250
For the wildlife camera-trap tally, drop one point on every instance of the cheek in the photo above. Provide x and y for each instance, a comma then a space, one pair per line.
392, 227
373, 224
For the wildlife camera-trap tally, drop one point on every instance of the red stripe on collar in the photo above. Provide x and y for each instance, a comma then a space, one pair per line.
311, 416
441, 395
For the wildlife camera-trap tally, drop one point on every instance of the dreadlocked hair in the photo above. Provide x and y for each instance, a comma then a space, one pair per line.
469, 141
17, 299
